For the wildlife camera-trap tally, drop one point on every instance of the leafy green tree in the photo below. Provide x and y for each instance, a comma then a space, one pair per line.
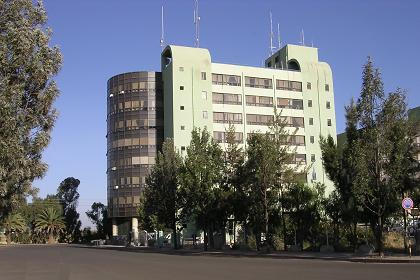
27, 94
200, 179
340, 166
261, 179
377, 183
268, 173
162, 192
99, 216
50, 222
68, 195
14, 222
305, 205
29, 211
235, 199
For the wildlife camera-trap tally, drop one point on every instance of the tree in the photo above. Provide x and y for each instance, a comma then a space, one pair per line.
68, 195
261, 179
162, 193
27, 94
340, 166
379, 152
268, 173
235, 196
99, 216
201, 177
305, 206
14, 222
50, 222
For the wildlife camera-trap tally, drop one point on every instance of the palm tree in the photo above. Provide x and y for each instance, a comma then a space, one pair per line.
13, 223
50, 222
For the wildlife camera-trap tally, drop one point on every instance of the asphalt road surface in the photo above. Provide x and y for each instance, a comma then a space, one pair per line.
64, 262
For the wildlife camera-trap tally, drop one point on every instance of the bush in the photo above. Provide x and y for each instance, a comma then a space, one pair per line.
278, 244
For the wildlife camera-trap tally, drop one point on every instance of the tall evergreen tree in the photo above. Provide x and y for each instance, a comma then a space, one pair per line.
69, 196
379, 152
339, 164
200, 180
99, 216
235, 198
162, 192
27, 94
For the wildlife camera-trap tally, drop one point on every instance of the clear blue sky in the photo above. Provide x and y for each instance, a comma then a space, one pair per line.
101, 38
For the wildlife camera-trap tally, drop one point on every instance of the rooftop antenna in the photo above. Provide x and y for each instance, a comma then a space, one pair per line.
278, 34
312, 43
197, 25
162, 36
272, 48
302, 38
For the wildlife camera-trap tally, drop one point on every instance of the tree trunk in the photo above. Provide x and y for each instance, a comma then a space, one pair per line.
175, 238
354, 239
8, 238
205, 239
211, 235
51, 239
267, 237
379, 237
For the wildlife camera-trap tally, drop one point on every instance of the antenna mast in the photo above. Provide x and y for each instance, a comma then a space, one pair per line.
162, 36
278, 35
272, 48
197, 25
302, 37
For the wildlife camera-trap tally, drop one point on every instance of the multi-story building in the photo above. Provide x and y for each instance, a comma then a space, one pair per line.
134, 134
199, 93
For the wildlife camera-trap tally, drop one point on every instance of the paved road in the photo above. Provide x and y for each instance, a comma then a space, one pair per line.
63, 262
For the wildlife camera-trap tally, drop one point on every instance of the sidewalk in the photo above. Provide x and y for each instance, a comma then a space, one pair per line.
349, 257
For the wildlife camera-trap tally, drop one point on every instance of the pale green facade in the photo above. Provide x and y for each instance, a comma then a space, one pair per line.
301, 87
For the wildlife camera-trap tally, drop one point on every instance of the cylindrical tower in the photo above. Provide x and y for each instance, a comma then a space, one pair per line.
134, 134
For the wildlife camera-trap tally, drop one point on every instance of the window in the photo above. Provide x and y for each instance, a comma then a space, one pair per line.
203, 76
227, 98
181, 108
295, 140
312, 139
182, 127
289, 85
328, 105
181, 69
223, 79
269, 64
204, 95
327, 87
181, 88
309, 103
308, 85
312, 158
329, 122
311, 121
298, 159
254, 119
260, 101
205, 115
290, 103
224, 117
221, 136
182, 148
258, 82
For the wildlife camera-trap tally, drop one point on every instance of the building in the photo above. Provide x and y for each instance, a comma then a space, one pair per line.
134, 134
200, 93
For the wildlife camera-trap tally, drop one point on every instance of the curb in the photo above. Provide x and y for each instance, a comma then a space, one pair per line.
389, 259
